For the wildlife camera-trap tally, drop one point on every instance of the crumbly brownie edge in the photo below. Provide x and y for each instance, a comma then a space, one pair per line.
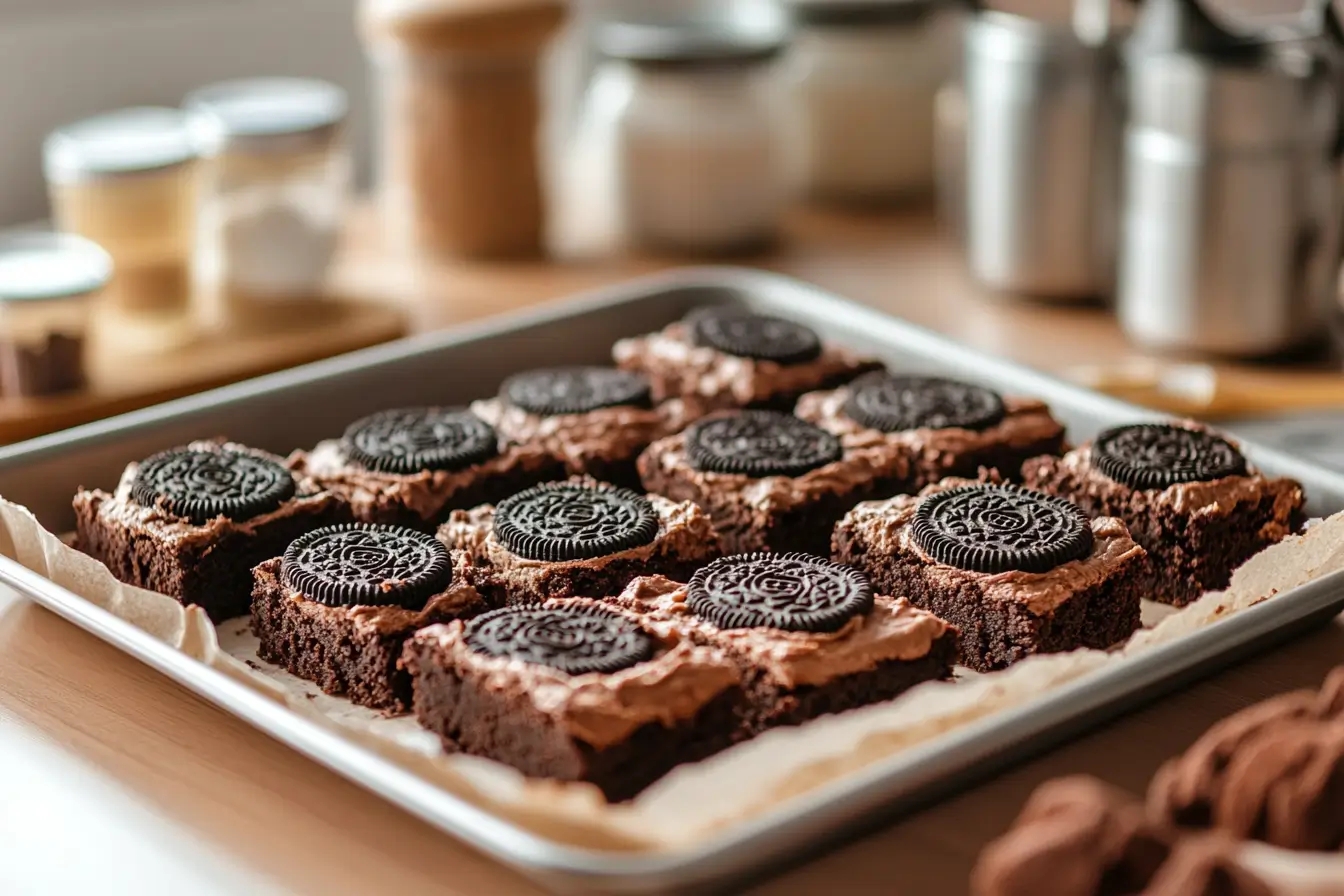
577, 580
509, 729
1007, 460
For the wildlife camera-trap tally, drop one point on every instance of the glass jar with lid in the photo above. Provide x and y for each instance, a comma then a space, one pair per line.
273, 191
125, 180
47, 282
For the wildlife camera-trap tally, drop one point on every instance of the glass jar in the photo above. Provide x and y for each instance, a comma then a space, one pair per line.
47, 282
126, 180
274, 185
864, 74
696, 133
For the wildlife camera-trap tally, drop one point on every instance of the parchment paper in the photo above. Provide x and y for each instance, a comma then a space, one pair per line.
693, 800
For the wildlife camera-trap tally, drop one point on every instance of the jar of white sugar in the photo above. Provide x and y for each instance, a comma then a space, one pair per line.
274, 184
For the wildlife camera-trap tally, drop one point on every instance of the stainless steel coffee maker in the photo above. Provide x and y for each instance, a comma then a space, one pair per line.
1230, 218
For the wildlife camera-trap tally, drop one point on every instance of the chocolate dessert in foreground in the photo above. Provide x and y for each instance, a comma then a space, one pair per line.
810, 636
338, 606
575, 691
591, 421
770, 481
192, 522
1186, 494
412, 466
1017, 572
579, 538
946, 427
728, 357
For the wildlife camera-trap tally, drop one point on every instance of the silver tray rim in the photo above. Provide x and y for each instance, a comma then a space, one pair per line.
909, 777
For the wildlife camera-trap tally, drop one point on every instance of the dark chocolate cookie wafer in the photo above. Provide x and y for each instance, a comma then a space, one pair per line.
756, 336
759, 444
409, 440
1156, 455
359, 564
575, 390
795, 592
893, 403
571, 639
201, 485
995, 528
562, 521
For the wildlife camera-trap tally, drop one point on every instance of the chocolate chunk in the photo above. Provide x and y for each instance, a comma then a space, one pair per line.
760, 443
408, 440
570, 639
575, 390
201, 485
755, 336
891, 403
561, 521
358, 564
1155, 455
995, 528
794, 592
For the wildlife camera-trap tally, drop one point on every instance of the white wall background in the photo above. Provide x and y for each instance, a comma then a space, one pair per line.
63, 59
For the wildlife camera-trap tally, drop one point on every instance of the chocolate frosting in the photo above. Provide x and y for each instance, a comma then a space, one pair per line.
895, 629
885, 527
599, 708
459, 599
678, 367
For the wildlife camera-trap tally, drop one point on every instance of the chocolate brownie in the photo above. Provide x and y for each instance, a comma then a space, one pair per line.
192, 522
412, 466
810, 636
1017, 572
575, 691
770, 481
578, 538
593, 421
728, 357
1186, 494
947, 427
338, 606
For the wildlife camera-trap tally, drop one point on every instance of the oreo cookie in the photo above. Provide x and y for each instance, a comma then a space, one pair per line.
359, 564
561, 521
1156, 455
756, 336
892, 403
409, 440
552, 391
572, 639
996, 528
794, 592
203, 484
759, 444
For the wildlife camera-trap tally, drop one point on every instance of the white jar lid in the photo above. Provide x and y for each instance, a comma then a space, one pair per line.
127, 141
264, 114
36, 266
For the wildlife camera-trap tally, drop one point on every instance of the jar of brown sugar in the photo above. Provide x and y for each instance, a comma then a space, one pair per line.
459, 112
126, 180
47, 282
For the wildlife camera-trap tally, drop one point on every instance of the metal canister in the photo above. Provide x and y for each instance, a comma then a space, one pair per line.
1042, 123
1229, 226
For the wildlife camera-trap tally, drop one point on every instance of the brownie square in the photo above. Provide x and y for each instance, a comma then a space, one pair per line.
353, 651
1082, 587
454, 462
756, 510
574, 691
792, 676
674, 539
724, 358
203, 562
1196, 532
947, 428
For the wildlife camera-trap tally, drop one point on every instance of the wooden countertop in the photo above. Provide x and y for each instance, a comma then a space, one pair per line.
116, 780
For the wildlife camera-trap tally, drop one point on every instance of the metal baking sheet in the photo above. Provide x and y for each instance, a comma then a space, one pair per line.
298, 407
